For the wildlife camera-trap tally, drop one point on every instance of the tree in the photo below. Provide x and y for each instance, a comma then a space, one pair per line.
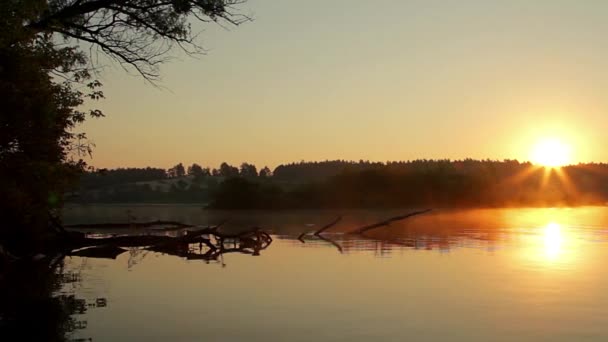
265, 172
227, 170
177, 171
195, 170
39, 148
46, 76
137, 33
248, 170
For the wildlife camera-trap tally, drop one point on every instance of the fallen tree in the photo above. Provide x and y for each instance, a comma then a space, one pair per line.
212, 243
251, 241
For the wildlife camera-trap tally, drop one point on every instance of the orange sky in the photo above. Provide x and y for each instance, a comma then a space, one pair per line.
389, 80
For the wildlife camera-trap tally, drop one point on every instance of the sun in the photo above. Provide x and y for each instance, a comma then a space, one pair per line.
551, 153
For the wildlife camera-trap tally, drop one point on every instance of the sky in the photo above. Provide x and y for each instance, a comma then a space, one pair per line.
373, 80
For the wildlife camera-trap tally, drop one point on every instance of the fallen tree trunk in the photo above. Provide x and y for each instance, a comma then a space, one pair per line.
251, 241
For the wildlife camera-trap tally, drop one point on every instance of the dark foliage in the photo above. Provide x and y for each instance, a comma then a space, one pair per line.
248, 170
441, 183
227, 170
104, 178
198, 172
138, 34
317, 171
434, 183
46, 76
177, 171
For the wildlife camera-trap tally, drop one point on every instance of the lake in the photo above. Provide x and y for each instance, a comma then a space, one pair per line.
458, 275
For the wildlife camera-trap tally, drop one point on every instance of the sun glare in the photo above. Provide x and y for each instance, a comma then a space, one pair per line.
553, 240
551, 153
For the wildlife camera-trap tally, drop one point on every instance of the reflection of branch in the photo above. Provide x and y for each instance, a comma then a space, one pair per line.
388, 222
331, 241
130, 225
102, 252
321, 230
391, 241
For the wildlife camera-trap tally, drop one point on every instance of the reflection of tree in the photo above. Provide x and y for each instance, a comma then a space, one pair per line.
38, 301
31, 309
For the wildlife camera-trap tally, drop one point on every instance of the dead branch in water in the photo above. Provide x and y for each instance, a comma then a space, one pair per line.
251, 241
321, 230
321, 237
388, 221
130, 225
359, 230
329, 225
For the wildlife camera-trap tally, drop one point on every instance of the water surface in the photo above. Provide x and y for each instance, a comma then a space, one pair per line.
483, 275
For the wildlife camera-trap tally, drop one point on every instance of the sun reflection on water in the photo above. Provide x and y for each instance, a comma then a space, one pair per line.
553, 240
553, 245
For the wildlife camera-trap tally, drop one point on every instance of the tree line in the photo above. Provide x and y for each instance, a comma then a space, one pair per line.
423, 183
99, 178
363, 184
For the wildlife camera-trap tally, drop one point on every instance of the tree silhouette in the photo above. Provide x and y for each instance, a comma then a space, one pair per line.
248, 170
46, 76
177, 171
265, 172
227, 170
137, 33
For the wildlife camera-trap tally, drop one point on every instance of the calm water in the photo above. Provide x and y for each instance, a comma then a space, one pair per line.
483, 275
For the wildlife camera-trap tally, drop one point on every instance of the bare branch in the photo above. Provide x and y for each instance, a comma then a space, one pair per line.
138, 34
388, 221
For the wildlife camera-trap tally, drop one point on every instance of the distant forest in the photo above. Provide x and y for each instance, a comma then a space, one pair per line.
345, 184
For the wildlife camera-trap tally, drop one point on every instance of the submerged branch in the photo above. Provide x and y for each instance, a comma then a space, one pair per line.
358, 230
130, 225
329, 225
321, 230
388, 221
